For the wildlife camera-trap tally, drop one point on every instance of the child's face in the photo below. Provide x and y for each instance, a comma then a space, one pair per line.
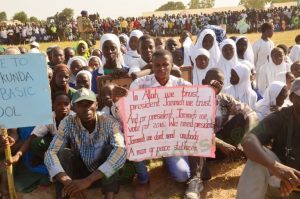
269, 32
289, 80
296, 70
171, 45
234, 78
110, 50
106, 95
123, 41
178, 57
228, 51
282, 96
62, 79
61, 105
133, 43
69, 54
75, 67
94, 63
277, 57
146, 49
97, 53
81, 49
58, 56
208, 42
241, 46
201, 62
82, 81
162, 66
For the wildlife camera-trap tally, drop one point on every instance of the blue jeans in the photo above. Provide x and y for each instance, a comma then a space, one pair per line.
178, 167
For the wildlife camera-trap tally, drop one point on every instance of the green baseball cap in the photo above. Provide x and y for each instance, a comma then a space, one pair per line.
84, 94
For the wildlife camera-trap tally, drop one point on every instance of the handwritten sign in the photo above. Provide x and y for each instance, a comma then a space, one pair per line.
169, 121
24, 91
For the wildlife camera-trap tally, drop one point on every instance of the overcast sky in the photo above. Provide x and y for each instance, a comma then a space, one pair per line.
106, 8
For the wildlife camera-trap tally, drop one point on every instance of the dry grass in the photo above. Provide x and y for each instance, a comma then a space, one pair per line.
222, 185
287, 38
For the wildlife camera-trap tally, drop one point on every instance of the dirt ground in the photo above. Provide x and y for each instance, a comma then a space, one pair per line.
223, 184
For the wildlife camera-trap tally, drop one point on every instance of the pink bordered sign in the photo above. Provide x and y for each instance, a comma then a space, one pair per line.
169, 121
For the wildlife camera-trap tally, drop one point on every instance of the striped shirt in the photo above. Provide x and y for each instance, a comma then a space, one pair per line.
88, 145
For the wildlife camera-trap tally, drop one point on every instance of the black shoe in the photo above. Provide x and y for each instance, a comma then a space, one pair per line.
194, 187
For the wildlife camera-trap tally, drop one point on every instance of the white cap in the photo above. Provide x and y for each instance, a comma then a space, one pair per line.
35, 44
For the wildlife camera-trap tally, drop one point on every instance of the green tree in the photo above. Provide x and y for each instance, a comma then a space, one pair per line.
172, 5
282, 1
3, 16
21, 16
197, 4
34, 19
254, 3
67, 12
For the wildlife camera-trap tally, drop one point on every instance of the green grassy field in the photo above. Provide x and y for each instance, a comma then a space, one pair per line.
225, 175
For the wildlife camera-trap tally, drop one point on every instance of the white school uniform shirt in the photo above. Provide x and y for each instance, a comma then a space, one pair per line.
130, 56
262, 49
295, 53
43, 130
136, 65
268, 74
149, 81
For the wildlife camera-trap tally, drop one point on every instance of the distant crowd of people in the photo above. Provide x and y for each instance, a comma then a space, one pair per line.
283, 18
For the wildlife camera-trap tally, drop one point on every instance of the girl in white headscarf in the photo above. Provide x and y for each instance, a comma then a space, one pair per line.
112, 59
124, 40
274, 97
227, 60
94, 62
201, 64
271, 69
132, 47
75, 64
186, 42
244, 50
241, 85
84, 79
295, 53
207, 40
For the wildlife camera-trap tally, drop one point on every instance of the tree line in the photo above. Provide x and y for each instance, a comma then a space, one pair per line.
198, 4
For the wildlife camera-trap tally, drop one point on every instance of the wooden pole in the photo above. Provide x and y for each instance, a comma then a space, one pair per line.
9, 170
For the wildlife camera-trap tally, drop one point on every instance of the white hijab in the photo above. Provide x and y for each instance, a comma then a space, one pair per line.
126, 39
226, 65
130, 52
100, 69
199, 74
214, 51
86, 72
243, 91
186, 51
295, 53
268, 73
113, 38
248, 55
262, 107
83, 62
